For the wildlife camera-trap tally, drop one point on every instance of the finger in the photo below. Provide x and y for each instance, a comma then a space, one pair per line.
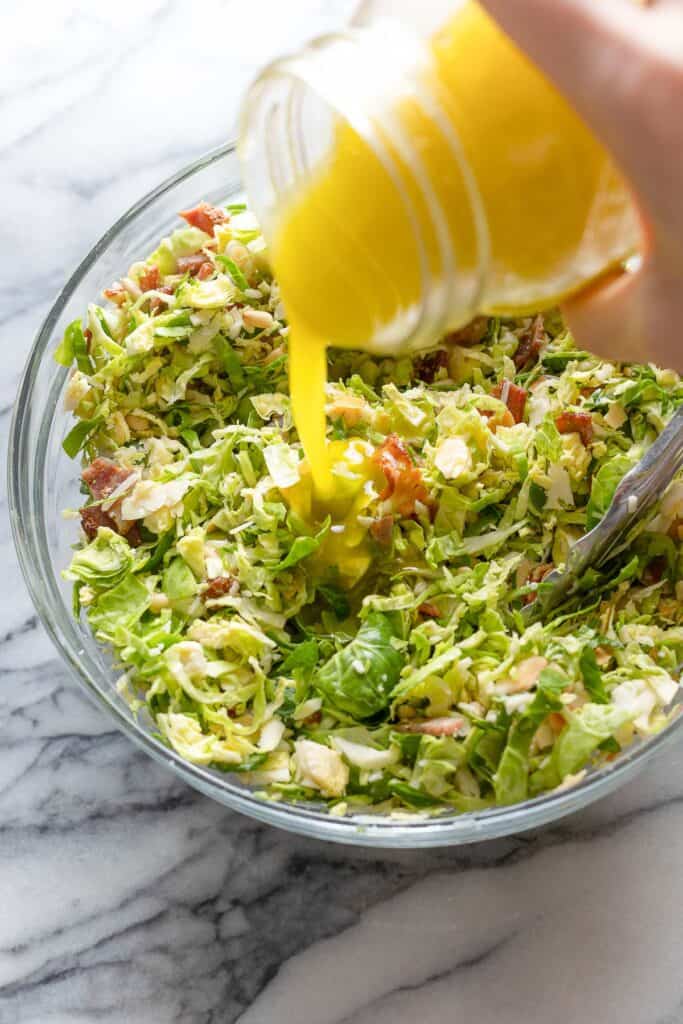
606, 318
613, 61
591, 49
631, 317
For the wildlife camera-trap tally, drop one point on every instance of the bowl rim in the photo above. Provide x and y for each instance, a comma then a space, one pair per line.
404, 831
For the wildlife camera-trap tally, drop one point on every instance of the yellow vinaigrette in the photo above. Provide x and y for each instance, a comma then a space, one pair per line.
354, 482
556, 213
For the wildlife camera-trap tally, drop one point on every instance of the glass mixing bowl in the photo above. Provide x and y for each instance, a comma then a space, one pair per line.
43, 481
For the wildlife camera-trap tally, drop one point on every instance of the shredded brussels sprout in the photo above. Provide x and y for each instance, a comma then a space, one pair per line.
370, 653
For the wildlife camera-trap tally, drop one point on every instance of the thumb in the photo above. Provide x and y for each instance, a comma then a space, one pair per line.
591, 49
631, 317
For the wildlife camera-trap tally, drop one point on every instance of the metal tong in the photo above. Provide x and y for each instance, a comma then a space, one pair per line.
635, 496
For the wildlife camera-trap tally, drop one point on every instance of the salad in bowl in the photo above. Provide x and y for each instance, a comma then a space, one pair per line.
369, 654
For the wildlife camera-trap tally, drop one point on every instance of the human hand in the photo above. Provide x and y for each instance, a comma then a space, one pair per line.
621, 65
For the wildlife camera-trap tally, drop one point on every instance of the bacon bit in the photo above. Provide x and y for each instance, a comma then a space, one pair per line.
539, 572
513, 396
576, 423
603, 655
404, 479
93, 517
116, 293
218, 587
556, 721
497, 419
314, 719
427, 366
103, 477
654, 571
205, 217
531, 343
156, 303
433, 726
131, 531
675, 531
587, 392
471, 334
537, 575
382, 530
150, 278
194, 265
87, 334
429, 610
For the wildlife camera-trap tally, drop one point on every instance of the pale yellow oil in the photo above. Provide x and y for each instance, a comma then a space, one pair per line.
558, 214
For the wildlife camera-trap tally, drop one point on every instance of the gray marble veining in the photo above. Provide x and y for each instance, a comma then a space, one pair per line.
125, 897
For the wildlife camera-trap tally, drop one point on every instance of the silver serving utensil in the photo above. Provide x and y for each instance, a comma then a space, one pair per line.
638, 491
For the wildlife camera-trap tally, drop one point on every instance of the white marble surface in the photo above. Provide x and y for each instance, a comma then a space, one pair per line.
126, 897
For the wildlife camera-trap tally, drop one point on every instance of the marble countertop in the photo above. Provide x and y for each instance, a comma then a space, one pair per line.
126, 897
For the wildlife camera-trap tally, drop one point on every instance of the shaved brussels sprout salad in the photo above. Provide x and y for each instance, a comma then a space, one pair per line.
369, 653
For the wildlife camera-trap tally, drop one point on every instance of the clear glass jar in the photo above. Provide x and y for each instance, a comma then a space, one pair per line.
408, 179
